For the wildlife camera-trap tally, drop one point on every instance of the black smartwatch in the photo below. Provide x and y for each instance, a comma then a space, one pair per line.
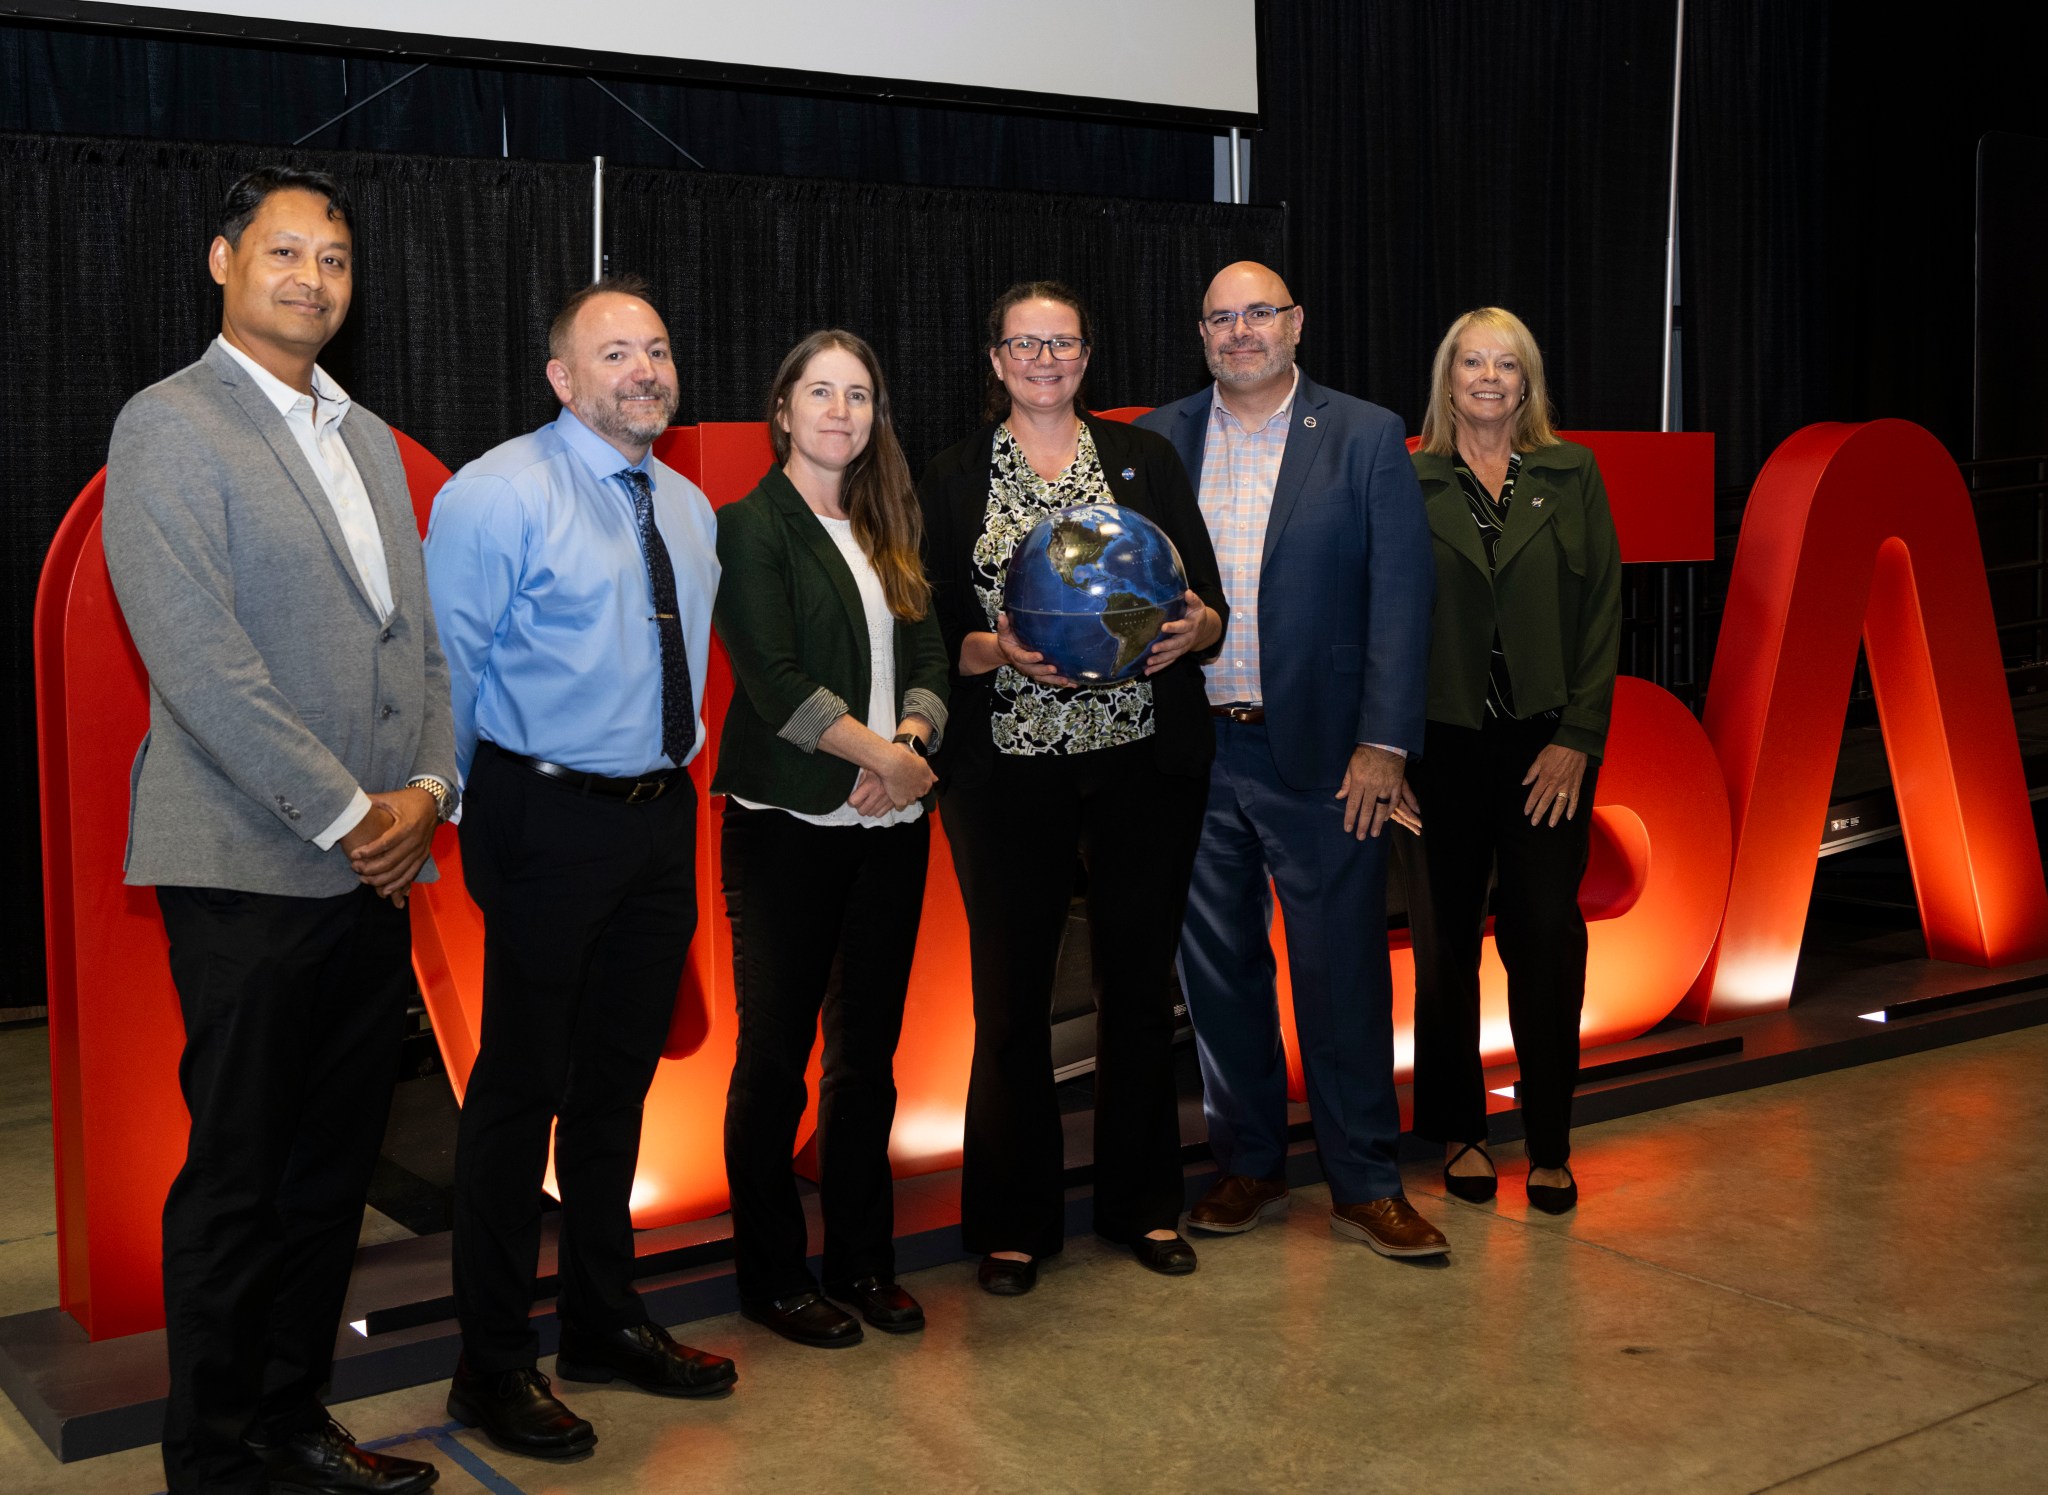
912, 741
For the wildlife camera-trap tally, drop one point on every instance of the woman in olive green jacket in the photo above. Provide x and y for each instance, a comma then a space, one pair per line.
1521, 681
840, 697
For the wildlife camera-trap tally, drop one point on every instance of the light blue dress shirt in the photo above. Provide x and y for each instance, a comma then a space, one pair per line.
545, 610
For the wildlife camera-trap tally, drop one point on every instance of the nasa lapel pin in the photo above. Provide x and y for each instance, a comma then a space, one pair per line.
1309, 421
1130, 474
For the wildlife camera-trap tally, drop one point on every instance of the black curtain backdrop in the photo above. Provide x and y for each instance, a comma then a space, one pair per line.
744, 267
461, 264
88, 81
1437, 157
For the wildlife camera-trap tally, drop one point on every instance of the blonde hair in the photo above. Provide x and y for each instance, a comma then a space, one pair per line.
1534, 419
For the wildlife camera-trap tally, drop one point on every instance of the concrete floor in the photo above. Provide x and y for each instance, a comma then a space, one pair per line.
1834, 1285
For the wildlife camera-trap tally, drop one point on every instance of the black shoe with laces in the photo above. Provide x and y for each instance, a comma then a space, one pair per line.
326, 1461
518, 1411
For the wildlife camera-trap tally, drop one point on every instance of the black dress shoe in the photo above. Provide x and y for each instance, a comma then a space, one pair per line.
1473, 1188
1556, 1199
516, 1410
646, 1356
807, 1319
1173, 1256
1006, 1278
883, 1304
326, 1461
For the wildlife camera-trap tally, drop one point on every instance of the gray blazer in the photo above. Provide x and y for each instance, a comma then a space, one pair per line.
274, 692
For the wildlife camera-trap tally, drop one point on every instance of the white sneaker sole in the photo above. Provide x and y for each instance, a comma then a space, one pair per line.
1358, 1233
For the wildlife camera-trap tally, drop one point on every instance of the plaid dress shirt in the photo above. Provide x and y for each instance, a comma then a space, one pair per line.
1240, 469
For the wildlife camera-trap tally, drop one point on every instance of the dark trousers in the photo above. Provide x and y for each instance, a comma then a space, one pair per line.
1014, 838
801, 900
1470, 787
589, 904
1333, 890
294, 1012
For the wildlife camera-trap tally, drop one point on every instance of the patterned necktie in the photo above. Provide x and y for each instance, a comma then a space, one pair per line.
678, 709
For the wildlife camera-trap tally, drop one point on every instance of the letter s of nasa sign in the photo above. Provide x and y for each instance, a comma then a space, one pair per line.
1706, 834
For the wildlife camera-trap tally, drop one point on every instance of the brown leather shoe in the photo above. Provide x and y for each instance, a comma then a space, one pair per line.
1390, 1226
1235, 1204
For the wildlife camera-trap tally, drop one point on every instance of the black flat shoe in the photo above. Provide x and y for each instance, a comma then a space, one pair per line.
646, 1356
326, 1461
883, 1304
1473, 1188
516, 1410
1006, 1278
1172, 1257
807, 1319
1555, 1199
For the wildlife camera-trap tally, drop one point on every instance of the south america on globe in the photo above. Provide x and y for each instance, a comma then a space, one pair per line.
1090, 587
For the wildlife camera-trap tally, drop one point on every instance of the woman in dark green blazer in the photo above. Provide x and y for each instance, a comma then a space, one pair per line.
1521, 680
840, 697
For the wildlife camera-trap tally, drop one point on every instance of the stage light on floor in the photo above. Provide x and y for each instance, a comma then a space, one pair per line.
361, 1326
1873, 1017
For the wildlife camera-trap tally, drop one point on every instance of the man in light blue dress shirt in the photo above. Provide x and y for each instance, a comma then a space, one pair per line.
573, 575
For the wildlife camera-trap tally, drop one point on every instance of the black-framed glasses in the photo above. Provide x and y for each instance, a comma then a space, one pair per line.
1253, 316
1025, 349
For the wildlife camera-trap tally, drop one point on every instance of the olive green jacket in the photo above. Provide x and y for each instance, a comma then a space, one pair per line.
1554, 594
790, 617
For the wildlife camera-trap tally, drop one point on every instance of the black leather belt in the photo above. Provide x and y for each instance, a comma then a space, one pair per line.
1247, 715
633, 791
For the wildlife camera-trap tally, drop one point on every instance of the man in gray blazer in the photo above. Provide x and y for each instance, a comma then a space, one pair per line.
300, 751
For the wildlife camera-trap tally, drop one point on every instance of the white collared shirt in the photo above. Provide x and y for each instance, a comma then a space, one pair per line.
316, 426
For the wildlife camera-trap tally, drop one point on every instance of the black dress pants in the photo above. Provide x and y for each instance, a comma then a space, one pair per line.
294, 1013
1469, 784
589, 904
1014, 838
803, 899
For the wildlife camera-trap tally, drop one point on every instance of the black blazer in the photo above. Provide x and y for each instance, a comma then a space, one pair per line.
954, 494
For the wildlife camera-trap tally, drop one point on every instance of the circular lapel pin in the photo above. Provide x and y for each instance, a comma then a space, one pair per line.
1130, 473
1309, 421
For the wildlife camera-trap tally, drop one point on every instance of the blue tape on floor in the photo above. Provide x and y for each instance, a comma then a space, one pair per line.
430, 1434
471, 1464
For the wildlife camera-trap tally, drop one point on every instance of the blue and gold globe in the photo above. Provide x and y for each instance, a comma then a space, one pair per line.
1090, 587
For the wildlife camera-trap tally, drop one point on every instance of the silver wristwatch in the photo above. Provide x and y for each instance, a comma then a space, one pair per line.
444, 797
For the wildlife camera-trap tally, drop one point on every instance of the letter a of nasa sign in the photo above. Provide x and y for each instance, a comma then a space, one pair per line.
1705, 837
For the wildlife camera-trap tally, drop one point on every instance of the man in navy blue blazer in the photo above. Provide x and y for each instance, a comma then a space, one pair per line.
1318, 695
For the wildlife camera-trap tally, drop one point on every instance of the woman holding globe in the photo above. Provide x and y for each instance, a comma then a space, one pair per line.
1039, 769
840, 686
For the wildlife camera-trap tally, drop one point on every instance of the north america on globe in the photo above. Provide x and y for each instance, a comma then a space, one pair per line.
1091, 586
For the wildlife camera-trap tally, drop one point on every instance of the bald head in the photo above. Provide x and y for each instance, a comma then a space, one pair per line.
1246, 283
1250, 327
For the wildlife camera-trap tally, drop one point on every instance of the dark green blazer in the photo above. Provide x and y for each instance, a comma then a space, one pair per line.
791, 620
1554, 594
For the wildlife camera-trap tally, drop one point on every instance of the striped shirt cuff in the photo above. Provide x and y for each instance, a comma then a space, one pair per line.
920, 702
809, 721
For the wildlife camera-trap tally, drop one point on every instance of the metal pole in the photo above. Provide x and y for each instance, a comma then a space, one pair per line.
596, 218
1671, 216
1236, 168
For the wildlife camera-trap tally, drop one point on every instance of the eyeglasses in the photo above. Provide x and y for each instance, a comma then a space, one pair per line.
1025, 349
1254, 316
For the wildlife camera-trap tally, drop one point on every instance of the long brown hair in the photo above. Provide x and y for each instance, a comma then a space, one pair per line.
879, 497
1535, 422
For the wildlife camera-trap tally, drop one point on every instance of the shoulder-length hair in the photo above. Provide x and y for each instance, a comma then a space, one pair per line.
879, 497
995, 397
1535, 421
